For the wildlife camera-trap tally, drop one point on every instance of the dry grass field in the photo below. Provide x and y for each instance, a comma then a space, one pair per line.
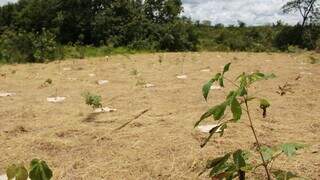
161, 143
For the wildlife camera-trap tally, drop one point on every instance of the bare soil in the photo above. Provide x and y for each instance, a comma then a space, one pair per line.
161, 143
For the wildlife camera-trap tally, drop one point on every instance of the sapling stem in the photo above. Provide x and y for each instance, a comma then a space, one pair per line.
233, 83
265, 165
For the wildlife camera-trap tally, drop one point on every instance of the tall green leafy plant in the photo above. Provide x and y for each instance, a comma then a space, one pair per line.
237, 164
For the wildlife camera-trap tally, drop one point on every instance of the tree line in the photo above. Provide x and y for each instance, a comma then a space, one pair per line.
98, 22
138, 24
36, 30
275, 37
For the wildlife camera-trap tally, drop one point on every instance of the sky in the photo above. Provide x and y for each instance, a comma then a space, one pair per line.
252, 12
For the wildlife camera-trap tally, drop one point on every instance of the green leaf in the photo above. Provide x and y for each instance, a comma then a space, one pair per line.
270, 76
222, 128
236, 108
257, 76
17, 172
221, 166
217, 161
22, 173
230, 95
241, 76
267, 153
239, 159
284, 175
221, 82
207, 114
290, 149
218, 112
11, 171
39, 170
217, 76
225, 171
212, 131
242, 91
264, 104
206, 89
243, 80
226, 68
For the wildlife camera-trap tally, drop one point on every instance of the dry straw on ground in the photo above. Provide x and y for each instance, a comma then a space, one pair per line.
161, 143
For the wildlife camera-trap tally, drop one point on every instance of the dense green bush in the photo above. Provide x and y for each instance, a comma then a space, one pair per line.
288, 36
151, 25
258, 39
304, 38
220, 38
22, 46
179, 36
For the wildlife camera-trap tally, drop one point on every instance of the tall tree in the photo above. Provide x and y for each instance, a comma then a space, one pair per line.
162, 11
307, 9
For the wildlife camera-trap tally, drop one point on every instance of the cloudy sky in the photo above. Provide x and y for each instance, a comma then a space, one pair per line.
253, 12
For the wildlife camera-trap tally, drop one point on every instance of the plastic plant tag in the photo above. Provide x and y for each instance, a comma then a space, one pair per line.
56, 99
104, 110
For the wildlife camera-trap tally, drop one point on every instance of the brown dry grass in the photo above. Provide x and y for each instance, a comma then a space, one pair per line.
162, 143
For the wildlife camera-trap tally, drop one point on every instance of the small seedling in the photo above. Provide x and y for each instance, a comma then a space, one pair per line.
264, 104
141, 82
134, 72
39, 170
92, 100
237, 164
298, 77
314, 60
161, 58
107, 58
46, 83
283, 90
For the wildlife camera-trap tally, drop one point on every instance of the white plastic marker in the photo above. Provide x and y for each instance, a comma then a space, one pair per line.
208, 128
182, 77
67, 69
56, 99
216, 87
7, 94
205, 70
303, 68
102, 82
104, 110
305, 73
149, 85
4, 177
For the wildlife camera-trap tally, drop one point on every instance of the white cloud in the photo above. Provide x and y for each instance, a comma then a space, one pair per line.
2, 2
253, 12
